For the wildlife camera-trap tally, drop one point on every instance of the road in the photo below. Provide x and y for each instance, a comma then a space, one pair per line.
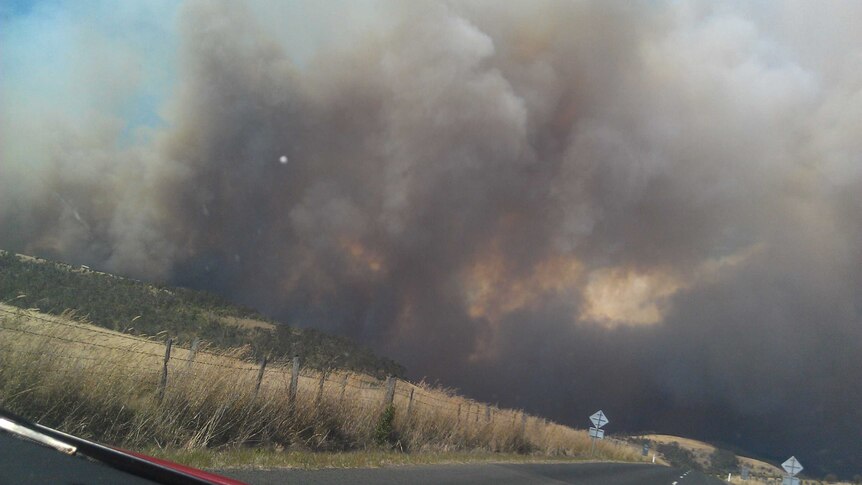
483, 474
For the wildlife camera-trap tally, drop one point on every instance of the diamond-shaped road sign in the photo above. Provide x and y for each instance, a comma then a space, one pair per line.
792, 466
597, 433
599, 419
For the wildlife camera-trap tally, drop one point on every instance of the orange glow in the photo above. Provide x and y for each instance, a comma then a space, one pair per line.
362, 256
492, 291
609, 297
624, 296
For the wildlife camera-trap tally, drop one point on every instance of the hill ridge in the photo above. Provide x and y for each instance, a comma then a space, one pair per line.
133, 306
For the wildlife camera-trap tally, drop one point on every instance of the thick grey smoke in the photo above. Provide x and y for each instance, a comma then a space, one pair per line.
655, 209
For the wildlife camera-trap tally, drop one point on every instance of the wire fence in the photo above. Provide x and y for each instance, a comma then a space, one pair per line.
102, 350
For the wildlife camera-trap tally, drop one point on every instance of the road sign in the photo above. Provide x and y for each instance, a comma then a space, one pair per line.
599, 419
792, 466
645, 450
745, 472
790, 481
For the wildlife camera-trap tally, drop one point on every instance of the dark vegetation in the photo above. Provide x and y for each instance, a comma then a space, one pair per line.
140, 308
384, 431
678, 456
723, 461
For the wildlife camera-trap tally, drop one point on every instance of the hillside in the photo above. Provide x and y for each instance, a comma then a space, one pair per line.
690, 453
128, 391
139, 308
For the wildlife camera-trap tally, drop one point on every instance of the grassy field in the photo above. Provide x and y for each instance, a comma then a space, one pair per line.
105, 385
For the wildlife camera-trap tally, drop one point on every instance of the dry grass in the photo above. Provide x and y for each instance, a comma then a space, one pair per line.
103, 384
243, 322
698, 449
702, 451
262, 457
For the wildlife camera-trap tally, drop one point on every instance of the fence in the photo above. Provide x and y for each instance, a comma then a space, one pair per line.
171, 358
162, 364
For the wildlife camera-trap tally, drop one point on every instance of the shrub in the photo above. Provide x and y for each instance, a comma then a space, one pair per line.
384, 432
723, 461
678, 457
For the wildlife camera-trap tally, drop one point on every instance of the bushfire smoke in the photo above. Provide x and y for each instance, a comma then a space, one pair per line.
650, 207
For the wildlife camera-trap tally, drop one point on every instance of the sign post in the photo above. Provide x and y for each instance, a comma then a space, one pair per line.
596, 432
792, 467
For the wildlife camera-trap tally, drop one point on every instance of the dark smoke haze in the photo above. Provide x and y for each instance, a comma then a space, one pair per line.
650, 208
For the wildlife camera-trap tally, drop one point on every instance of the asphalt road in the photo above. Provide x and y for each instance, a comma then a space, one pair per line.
483, 474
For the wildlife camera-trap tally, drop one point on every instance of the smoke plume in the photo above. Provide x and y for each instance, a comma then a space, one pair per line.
650, 208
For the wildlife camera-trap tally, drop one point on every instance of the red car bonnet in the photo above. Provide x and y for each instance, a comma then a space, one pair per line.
210, 477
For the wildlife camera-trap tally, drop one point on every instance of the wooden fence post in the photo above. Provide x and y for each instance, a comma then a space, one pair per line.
459, 413
343, 388
523, 423
390, 392
259, 376
410, 403
319, 398
487, 413
163, 382
477, 413
294, 381
193, 351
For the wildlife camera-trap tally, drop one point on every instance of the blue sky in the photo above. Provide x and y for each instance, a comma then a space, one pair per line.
74, 59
